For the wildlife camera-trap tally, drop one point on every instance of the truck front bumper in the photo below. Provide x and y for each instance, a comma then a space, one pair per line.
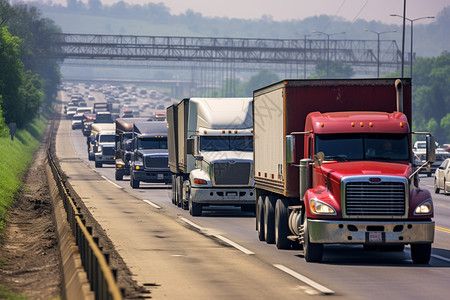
105, 159
370, 232
229, 196
152, 176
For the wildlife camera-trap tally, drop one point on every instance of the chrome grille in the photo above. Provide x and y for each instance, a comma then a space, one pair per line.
375, 199
231, 174
157, 162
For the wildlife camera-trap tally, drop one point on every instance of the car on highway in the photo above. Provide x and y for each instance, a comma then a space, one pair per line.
76, 121
442, 178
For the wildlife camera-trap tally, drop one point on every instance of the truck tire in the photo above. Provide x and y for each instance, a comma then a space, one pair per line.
195, 209
269, 219
98, 165
281, 224
421, 253
179, 201
119, 175
91, 156
174, 189
134, 183
260, 218
312, 252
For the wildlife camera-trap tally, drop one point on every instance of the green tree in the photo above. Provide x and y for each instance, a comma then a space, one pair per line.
260, 80
336, 69
11, 76
431, 96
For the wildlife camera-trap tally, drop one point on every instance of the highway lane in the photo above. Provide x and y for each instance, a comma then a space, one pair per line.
350, 272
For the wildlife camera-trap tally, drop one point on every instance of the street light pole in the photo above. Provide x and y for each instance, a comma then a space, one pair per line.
411, 54
304, 53
328, 47
378, 47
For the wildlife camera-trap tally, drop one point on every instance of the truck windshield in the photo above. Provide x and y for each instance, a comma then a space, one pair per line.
363, 146
226, 143
152, 143
107, 138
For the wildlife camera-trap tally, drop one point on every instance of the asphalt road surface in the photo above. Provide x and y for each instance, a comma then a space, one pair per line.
218, 255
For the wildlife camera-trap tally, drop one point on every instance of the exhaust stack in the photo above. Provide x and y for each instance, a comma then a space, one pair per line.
399, 90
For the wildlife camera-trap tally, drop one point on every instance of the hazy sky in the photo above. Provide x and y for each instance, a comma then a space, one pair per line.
378, 10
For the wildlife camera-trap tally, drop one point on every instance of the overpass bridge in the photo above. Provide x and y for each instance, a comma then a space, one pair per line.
210, 61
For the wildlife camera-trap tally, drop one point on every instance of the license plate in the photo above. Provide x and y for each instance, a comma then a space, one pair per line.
375, 236
160, 176
231, 195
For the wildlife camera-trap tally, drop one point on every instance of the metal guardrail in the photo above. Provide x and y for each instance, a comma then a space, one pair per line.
99, 274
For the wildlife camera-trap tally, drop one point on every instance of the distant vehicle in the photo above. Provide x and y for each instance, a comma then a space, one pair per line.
71, 111
84, 110
76, 121
102, 144
91, 98
149, 159
103, 117
88, 120
102, 106
124, 135
127, 113
442, 178
159, 115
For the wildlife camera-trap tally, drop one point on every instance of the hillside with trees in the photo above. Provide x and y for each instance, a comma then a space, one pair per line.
28, 75
155, 19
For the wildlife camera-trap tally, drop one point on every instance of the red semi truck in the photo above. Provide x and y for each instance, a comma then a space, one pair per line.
334, 165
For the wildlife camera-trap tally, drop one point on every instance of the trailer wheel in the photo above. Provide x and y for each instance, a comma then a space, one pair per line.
260, 218
269, 220
91, 156
421, 253
195, 209
312, 252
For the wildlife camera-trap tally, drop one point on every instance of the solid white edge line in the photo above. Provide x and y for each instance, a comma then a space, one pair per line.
441, 257
191, 223
113, 183
224, 239
239, 247
306, 280
152, 204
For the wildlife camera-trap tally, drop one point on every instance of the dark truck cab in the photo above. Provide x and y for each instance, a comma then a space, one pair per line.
124, 135
149, 158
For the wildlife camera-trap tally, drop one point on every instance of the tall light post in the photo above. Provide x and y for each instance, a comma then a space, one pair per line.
328, 46
378, 47
412, 23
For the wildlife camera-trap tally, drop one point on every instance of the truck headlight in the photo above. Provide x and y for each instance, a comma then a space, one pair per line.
321, 208
424, 208
99, 149
138, 165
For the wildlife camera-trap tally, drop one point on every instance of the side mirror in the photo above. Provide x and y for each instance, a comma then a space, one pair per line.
190, 146
318, 159
431, 149
290, 149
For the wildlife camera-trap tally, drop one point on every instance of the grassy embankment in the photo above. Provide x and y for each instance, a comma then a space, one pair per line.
17, 156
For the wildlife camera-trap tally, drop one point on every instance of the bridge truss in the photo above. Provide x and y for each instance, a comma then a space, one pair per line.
226, 57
